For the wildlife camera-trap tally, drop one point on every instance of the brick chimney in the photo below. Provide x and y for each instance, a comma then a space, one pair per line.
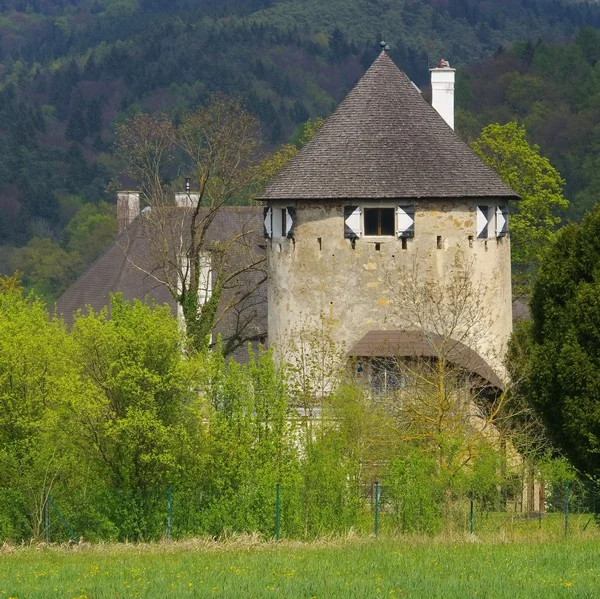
128, 208
442, 91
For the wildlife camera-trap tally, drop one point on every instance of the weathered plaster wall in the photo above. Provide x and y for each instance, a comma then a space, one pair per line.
318, 272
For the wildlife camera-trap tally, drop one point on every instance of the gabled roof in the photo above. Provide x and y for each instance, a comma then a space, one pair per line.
385, 141
130, 267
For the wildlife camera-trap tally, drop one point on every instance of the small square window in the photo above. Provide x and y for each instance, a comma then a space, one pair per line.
380, 221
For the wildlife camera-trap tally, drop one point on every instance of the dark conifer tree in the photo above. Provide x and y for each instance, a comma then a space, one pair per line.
77, 127
78, 174
94, 116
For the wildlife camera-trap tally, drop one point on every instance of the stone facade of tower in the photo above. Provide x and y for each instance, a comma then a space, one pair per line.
385, 189
321, 274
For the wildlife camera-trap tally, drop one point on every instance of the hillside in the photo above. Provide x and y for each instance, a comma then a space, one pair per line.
70, 69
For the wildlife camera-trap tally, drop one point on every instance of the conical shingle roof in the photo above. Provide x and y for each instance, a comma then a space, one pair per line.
385, 141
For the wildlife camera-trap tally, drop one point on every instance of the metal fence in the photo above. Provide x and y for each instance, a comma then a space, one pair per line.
561, 509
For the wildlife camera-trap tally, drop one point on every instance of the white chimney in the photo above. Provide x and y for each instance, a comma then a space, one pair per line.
442, 91
186, 199
128, 208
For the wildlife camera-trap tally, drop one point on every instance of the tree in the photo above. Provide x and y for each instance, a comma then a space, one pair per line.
564, 381
50, 268
94, 117
534, 222
219, 144
37, 373
77, 127
449, 402
91, 231
127, 417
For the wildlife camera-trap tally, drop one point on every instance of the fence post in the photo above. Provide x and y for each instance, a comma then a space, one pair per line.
47, 520
169, 511
540, 503
277, 511
376, 508
73, 536
472, 514
567, 483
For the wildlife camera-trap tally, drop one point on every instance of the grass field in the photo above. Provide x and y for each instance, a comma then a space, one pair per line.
343, 568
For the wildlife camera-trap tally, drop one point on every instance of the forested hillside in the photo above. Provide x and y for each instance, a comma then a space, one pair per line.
71, 69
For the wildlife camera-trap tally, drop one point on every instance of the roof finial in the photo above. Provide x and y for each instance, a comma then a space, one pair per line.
384, 46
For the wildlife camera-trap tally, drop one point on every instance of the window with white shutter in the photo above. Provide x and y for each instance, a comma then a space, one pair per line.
405, 221
482, 222
501, 221
279, 222
352, 222
289, 222
268, 222
378, 221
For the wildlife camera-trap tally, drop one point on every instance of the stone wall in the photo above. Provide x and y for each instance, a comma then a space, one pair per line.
320, 273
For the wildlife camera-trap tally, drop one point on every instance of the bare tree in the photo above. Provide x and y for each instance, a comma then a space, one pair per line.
440, 388
208, 260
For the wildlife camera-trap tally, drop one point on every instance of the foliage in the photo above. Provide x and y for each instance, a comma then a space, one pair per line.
114, 417
527, 431
70, 71
537, 182
134, 390
37, 375
551, 89
565, 306
49, 266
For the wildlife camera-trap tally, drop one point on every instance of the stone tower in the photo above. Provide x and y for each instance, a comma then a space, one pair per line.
385, 184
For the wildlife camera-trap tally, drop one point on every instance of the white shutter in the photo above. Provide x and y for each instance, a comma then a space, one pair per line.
501, 221
268, 222
205, 279
482, 222
352, 222
405, 221
289, 222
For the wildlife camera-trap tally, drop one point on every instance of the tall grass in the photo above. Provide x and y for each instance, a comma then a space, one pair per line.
333, 569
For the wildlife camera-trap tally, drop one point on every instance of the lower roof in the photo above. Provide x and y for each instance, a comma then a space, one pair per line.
417, 344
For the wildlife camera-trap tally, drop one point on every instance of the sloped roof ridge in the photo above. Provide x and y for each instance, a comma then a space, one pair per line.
385, 141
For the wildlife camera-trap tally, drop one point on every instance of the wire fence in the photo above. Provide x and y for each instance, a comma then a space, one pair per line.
563, 509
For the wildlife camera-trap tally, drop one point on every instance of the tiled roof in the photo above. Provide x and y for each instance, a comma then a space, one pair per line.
124, 266
415, 344
385, 141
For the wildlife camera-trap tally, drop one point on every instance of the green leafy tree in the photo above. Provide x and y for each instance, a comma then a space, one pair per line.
91, 231
564, 380
534, 222
37, 374
250, 446
134, 371
48, 268
77, 127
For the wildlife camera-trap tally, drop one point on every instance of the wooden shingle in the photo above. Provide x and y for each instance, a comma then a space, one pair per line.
385, 141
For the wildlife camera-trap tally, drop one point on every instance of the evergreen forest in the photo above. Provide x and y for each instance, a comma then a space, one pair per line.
71, 70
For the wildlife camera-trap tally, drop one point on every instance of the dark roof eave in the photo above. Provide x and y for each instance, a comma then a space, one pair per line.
295, 198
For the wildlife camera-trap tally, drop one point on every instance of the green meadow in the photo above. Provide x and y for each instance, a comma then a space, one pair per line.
323, 569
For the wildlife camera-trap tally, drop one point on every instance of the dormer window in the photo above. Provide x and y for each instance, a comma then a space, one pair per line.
380, 221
